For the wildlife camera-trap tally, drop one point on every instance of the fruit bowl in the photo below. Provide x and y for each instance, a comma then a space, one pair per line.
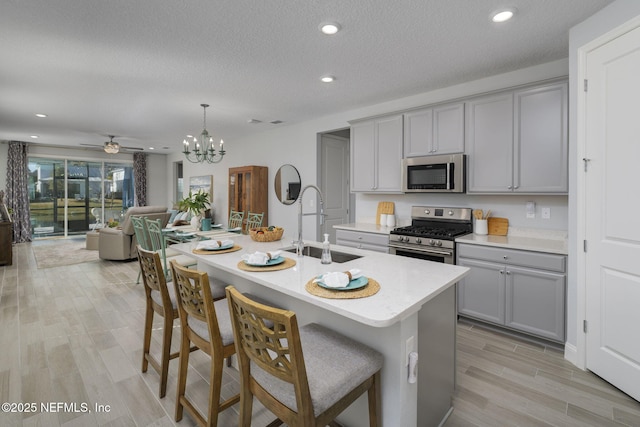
266, 234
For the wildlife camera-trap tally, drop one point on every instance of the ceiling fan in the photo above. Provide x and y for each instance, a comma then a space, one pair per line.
112, 147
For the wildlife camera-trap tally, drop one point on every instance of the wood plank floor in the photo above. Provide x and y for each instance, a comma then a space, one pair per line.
73, 334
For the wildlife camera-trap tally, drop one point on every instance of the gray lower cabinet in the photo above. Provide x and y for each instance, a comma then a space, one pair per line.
520, 290
363, 240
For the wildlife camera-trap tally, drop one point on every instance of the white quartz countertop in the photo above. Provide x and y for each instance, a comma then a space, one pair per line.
365, 227
542, 241
405, 283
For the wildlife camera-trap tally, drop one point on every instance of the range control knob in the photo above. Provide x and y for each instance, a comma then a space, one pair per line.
418, 240
427, 211
438, 243
450, 213
432, 242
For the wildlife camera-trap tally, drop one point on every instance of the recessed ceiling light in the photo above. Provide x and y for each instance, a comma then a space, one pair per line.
327, 79
35, 136
41, 115
151, 148
502, 15
330, 28
189, 136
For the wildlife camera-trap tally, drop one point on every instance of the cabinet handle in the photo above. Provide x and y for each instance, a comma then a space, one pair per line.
508, 272
510, 187
501, 271
516, 187
504, 257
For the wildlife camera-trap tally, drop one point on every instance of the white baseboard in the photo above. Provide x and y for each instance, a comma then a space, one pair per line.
571, 353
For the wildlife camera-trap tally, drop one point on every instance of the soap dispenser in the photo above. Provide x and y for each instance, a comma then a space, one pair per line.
326, 250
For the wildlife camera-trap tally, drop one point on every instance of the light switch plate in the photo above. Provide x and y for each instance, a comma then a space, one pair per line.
546, 213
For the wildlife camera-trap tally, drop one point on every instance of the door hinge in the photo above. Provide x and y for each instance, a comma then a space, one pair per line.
586, 85
586, 163
584, 246
585, 327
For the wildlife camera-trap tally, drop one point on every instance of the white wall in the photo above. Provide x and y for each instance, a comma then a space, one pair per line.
297, 145
607, 19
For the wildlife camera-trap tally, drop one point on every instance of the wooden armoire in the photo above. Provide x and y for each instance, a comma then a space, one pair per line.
249, 191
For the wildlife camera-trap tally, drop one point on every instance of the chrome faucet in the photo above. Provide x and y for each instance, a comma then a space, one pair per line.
299, 243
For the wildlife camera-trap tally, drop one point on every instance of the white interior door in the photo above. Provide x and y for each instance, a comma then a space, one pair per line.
334, 182
612, 202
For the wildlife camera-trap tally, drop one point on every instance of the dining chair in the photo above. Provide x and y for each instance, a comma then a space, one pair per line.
142, 237
235, 219
158, 244
254, 220
159, 300
306, 375
206, 324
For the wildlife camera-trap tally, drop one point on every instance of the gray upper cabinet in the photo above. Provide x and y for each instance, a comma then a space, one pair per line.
490, 143
434, 130
376, 155
517, 141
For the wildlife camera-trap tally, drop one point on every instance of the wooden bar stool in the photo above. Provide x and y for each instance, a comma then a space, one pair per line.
207, 325
160, 300
301, 389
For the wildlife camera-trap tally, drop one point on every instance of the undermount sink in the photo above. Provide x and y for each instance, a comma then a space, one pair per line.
336, 256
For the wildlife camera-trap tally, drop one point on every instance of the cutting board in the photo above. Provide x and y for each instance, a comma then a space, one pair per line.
498, 226
384, 208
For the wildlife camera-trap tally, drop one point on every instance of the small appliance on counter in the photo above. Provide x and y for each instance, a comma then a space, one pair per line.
432, 233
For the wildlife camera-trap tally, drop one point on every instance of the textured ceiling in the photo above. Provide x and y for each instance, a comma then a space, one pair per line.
140, 69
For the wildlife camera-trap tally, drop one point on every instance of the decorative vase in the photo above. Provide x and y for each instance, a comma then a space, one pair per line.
195, 221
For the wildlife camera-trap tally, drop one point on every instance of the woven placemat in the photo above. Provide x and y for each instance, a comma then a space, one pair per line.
372, 288
288, 263
224, 251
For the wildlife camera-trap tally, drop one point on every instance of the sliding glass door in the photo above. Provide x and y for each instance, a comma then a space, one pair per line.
70, 197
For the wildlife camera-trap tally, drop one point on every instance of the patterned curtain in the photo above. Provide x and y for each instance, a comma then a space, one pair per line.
140, 178
17, 190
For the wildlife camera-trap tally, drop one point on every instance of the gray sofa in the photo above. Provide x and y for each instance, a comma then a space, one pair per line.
120, 243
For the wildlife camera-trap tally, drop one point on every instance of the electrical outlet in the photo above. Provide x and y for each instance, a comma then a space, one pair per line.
546, 213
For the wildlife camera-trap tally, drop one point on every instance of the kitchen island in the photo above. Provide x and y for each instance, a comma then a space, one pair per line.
414, 310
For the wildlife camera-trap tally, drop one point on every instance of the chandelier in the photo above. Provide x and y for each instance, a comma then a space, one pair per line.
111, 147
203, 150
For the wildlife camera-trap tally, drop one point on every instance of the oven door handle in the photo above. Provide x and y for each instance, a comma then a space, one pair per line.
426, 251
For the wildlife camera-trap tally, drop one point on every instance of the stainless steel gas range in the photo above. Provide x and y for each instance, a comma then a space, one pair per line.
432, 233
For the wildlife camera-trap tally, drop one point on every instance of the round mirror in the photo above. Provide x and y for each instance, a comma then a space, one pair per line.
287, 184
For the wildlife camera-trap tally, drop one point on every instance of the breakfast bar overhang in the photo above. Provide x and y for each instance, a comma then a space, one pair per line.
414, 310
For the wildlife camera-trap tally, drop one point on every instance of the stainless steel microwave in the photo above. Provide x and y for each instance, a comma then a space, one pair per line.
434, 174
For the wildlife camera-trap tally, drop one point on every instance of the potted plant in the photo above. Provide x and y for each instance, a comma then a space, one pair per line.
195, 204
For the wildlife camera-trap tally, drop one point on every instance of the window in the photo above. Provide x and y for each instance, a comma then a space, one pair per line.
68, 197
